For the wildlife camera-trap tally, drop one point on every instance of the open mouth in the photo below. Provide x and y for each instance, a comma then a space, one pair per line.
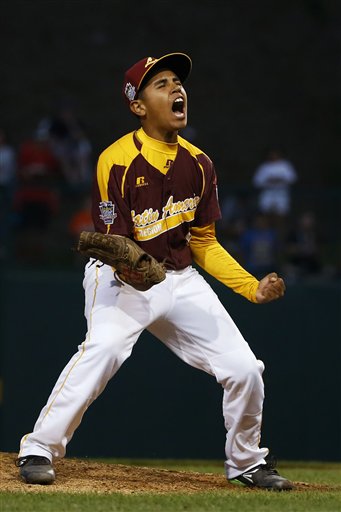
178, 106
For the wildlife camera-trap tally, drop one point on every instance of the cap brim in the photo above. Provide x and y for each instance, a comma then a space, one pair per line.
179, 63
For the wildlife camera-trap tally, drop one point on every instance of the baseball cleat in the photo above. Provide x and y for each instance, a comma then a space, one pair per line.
265, 476
35, 469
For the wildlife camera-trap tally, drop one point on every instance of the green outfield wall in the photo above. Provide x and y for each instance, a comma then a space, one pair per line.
157, 406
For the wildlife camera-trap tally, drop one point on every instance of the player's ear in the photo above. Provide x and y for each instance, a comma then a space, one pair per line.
138, 108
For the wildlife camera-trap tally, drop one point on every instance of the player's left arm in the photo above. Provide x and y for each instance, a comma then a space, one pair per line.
216, 261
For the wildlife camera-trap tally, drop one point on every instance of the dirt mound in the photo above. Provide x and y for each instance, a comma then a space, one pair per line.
79, 476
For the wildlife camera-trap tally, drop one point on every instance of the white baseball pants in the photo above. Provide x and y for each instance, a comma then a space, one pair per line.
186, 315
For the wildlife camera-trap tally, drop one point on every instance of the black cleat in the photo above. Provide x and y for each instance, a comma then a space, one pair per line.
35, 469
265, 476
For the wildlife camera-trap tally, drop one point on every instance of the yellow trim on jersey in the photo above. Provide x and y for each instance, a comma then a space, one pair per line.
123, 181
121, 153
124, 151
214, 259
203, 180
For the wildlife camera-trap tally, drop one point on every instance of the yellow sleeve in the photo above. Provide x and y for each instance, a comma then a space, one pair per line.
215, 260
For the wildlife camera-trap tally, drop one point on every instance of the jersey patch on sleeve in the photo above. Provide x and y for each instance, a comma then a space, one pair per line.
107, 209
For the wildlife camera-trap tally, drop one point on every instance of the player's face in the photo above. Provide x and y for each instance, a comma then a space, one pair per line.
163, 101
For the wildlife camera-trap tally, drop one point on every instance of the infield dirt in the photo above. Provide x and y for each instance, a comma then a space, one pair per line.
82, 476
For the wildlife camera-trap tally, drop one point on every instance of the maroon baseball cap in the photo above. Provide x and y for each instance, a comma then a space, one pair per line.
138, 74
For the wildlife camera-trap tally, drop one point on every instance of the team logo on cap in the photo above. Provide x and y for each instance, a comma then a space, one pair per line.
130, 91
150, 61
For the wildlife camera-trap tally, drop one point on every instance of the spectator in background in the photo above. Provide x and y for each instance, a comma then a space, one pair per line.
36, 159
8, 163
71, 147
274, 178
235, 210
259, 246
35, 205
36, 199
303, 248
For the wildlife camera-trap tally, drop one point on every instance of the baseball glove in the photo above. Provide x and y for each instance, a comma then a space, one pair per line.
132, 265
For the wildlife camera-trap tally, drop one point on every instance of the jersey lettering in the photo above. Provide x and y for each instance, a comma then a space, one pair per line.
171, 208
173, 214
147, 217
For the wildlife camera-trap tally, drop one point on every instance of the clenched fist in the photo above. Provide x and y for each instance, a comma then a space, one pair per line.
271, 287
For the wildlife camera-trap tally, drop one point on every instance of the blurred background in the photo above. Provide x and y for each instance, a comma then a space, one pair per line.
264, 104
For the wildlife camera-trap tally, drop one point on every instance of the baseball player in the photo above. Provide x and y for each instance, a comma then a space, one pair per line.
158, 189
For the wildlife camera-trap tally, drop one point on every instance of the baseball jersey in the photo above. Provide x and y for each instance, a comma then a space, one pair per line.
155, 192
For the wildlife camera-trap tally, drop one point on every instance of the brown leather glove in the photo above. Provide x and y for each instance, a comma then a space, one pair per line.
132, 265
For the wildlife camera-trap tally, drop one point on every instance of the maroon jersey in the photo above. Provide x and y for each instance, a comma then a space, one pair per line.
132, 197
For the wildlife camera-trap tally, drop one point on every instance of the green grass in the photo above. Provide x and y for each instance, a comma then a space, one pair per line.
208, 502
238, 500
212, 502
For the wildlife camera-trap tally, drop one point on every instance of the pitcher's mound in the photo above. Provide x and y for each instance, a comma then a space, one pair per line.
81, 476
